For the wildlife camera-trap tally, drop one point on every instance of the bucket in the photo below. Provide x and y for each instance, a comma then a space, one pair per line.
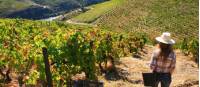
149, 79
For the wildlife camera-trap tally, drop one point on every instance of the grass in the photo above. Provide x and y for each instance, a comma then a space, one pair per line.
180, 17
97, 11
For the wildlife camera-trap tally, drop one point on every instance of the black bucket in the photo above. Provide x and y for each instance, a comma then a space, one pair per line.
84, 83
149, 79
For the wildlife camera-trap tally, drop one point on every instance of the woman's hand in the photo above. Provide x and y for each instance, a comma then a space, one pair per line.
171, 71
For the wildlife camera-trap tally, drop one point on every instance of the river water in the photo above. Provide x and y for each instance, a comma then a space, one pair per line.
51, 18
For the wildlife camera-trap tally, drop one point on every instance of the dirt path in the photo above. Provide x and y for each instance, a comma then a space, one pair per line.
185, 75
77, 23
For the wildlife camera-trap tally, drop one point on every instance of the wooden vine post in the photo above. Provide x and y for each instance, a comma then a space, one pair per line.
47, 68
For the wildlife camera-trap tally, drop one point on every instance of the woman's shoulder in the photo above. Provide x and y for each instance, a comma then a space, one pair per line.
156, 49
156, 52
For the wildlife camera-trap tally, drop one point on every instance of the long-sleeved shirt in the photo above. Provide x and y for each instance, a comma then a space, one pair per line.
159, 65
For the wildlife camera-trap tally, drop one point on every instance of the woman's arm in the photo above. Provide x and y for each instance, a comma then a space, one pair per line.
173, 64
153, 61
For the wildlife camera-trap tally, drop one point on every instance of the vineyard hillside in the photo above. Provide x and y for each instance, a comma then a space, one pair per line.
179, 17
71, 49
109, 42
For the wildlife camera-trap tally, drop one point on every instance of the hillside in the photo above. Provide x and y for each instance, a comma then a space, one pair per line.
7, 6
180, 17
71, 49
29, 9
111, 41
97, 11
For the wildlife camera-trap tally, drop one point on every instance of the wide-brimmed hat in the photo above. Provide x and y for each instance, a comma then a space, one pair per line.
165, 38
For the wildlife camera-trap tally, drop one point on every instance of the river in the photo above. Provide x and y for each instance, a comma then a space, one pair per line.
51, 18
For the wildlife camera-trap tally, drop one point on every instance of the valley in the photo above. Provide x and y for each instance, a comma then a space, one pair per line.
34, 9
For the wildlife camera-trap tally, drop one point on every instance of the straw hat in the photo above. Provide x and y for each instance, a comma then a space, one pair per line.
165, 38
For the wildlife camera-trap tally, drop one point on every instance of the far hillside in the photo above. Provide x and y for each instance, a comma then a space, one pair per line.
180, 17
40, 9
97, 10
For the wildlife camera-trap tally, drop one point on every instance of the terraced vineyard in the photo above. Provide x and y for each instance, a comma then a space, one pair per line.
72, 49
97, 11
180, 17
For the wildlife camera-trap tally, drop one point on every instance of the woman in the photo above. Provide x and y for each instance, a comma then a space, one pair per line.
163, 60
